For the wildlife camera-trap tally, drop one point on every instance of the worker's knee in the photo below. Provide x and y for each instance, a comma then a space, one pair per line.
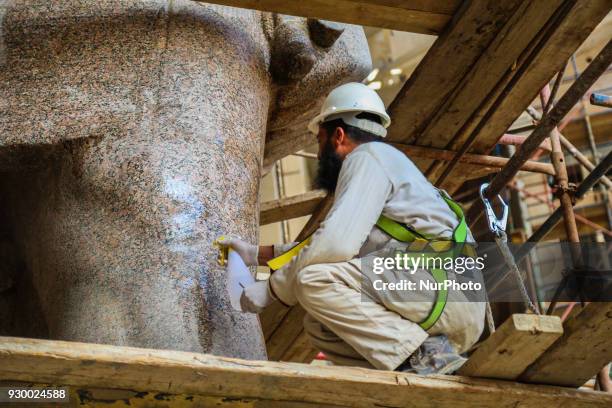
311, 275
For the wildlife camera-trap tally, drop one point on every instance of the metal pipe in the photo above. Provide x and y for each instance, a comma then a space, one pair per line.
580, 158
552, 94
590, 180
469, 158
596, 227
583, 220
602, 168
601, 100
563, 191
558, 161
509, 139
567, 101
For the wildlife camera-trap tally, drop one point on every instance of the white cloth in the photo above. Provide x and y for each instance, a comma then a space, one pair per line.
375, 178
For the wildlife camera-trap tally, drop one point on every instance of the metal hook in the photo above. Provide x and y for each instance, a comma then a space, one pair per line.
496, 225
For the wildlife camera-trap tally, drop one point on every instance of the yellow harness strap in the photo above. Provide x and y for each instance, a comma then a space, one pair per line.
284, 258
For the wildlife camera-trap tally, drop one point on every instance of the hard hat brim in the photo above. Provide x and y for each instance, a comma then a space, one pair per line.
313, 125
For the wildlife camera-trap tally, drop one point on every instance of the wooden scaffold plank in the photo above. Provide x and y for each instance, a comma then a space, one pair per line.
98, 366
516, 344
580, 353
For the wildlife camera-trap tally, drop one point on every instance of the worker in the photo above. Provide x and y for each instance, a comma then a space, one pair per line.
350, 325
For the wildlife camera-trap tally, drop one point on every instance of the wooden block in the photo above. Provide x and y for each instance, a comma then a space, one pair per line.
166, 372
580, 353
513, 347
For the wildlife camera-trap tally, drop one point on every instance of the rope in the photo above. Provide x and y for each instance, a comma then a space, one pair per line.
501, 239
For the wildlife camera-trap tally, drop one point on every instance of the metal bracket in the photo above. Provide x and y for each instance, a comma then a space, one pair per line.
570, 189
496, 225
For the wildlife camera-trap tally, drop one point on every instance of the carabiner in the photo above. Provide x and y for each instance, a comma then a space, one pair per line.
496, 225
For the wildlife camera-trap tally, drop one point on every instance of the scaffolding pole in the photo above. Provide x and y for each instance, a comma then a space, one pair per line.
573, 95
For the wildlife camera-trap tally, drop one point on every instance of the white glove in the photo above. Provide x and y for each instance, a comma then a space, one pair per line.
256, 297
247, 252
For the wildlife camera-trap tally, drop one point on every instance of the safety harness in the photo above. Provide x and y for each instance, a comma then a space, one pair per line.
419, 245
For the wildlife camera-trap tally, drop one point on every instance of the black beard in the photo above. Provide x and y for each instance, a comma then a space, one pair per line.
329, 169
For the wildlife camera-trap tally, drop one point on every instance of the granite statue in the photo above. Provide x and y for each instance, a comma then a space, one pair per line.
131, 135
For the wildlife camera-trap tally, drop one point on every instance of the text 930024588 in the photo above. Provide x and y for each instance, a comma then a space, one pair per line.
33, 394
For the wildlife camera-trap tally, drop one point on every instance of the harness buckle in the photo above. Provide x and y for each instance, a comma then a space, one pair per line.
496, 225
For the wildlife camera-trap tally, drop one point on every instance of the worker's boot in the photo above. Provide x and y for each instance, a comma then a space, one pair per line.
435, 356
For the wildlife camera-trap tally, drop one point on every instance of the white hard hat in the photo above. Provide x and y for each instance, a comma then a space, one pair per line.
349, 100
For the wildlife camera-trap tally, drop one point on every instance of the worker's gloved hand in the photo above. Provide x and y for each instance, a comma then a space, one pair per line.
256, 297
247, 252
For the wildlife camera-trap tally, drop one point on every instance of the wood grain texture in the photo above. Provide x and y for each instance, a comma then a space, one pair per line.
538, 63
448, 60
173, 372
516, 344
580, 353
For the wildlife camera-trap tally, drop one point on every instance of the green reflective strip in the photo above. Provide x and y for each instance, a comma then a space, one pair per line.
441, 296
395, 229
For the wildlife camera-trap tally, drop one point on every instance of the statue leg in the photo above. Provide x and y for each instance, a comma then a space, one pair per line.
149, 119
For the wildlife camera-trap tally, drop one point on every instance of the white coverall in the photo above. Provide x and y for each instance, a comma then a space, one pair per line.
325, 277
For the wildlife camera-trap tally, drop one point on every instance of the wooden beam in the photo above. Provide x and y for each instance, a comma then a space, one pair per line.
290, 207
550, 49
517, 343
448, 60
166, 372
411, 15
488, 71
476, 89
580, 353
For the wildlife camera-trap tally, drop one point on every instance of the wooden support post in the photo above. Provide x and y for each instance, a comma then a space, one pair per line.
515, 345
263, 384
580, 353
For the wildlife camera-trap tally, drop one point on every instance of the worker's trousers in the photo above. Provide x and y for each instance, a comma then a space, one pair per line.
352, 324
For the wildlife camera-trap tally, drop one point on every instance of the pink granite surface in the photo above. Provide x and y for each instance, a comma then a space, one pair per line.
131, 135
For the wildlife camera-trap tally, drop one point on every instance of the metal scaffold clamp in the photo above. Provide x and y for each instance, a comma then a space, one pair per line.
496, 225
